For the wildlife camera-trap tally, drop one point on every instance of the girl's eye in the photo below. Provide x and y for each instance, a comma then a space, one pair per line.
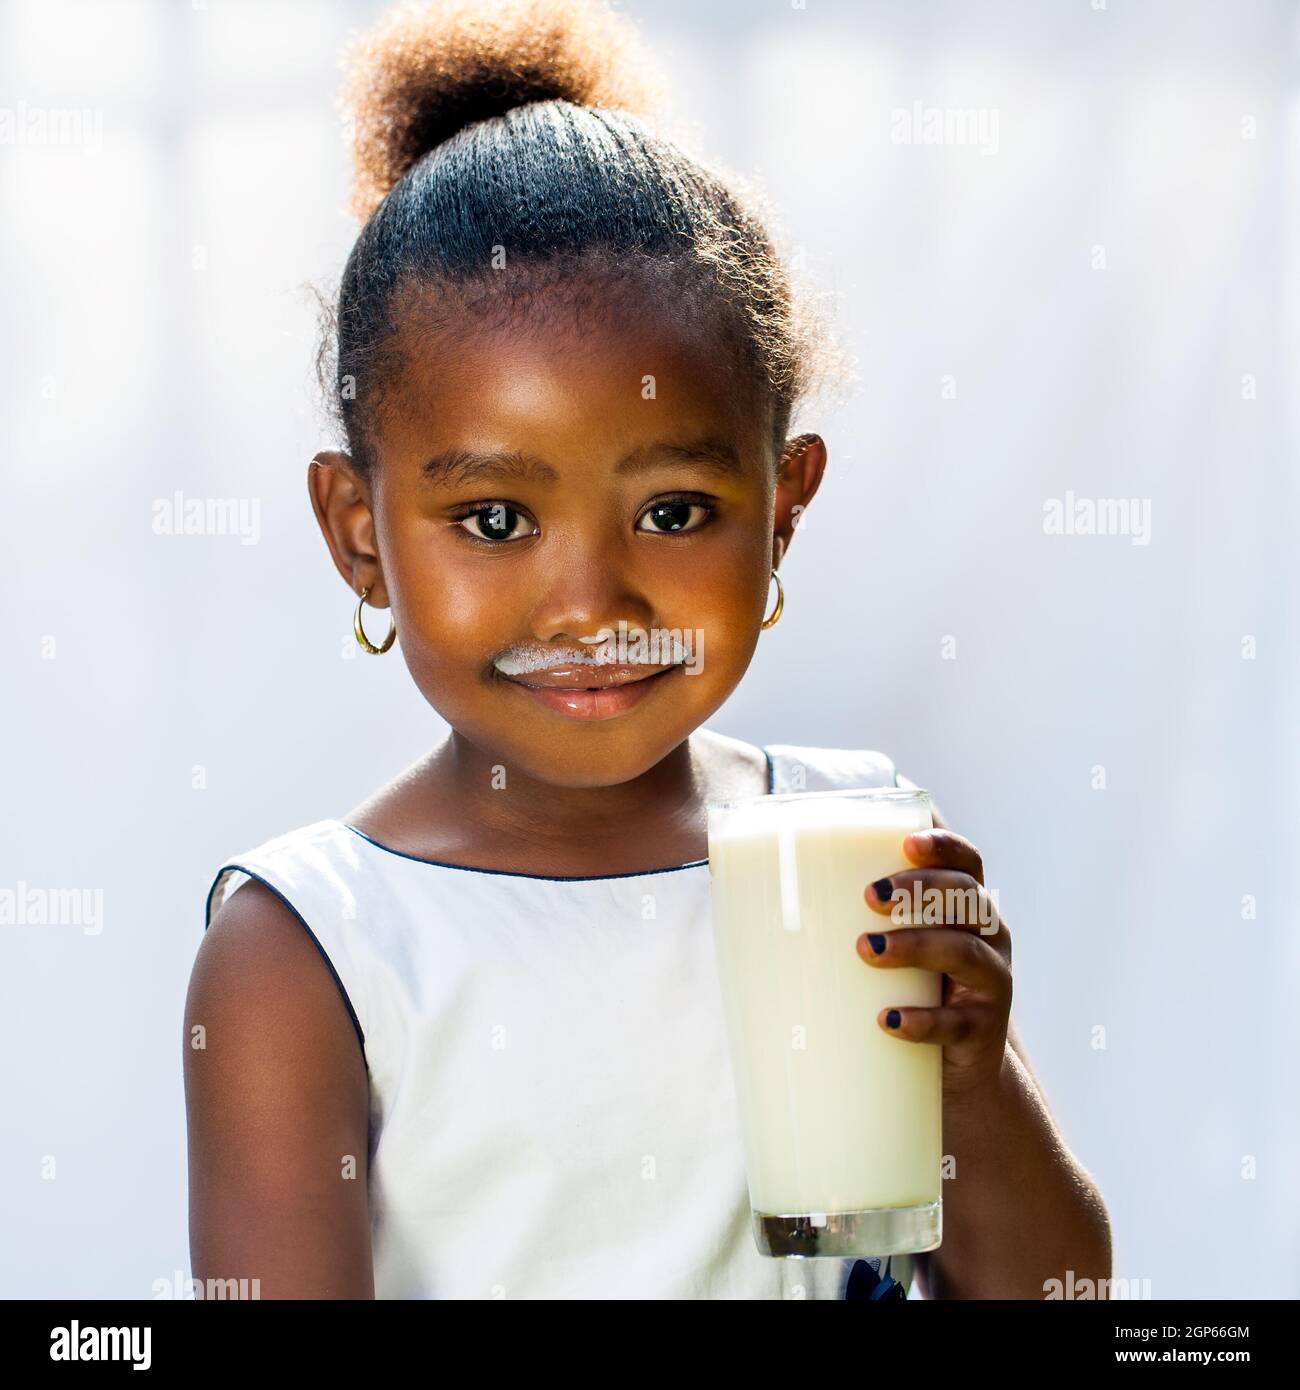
673, 515
496, 522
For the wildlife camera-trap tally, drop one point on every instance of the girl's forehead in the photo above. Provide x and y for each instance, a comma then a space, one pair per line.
560, 373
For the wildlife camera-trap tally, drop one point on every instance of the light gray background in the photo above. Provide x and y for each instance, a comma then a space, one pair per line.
156, 338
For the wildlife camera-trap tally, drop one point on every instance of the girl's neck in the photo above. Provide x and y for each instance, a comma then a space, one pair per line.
504, 801
461, 805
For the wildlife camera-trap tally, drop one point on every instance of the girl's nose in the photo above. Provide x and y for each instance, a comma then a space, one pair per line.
586, 594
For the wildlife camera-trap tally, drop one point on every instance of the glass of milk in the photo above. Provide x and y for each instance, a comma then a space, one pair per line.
842, 1123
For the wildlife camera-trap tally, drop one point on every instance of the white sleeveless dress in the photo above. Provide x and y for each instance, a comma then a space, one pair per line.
552, 1107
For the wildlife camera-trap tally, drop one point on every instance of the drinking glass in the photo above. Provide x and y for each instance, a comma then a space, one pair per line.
842, 1123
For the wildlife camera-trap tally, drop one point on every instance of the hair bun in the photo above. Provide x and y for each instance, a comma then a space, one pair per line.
429, 70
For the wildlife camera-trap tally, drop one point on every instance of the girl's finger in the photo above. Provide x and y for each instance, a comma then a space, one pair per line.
966, 958
944, 848
948, 1025
935, 897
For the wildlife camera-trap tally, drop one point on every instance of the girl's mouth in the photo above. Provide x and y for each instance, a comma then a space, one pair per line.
561, 690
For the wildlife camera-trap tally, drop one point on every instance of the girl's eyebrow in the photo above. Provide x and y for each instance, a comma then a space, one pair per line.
458, 467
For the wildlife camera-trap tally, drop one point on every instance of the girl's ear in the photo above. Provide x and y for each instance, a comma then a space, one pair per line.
340, 497
802, 464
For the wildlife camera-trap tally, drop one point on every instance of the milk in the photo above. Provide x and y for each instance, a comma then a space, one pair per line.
837, 1115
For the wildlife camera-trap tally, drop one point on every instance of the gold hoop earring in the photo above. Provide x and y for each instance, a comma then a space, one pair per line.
365, 642
771, 619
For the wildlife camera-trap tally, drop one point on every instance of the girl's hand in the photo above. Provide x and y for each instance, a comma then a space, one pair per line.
972, 949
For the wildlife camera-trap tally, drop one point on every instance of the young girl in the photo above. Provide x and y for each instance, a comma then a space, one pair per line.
438, 1048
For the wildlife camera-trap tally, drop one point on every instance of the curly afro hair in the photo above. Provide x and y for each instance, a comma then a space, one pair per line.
507, 155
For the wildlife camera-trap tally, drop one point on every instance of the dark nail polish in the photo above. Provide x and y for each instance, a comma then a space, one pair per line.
882, 888
893, 1018
877, 942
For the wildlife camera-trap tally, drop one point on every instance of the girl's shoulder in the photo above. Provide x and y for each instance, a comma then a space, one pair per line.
305, 849
794, 767
800, 767
277, 910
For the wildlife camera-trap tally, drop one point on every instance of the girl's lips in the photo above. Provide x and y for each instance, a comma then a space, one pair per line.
594, 704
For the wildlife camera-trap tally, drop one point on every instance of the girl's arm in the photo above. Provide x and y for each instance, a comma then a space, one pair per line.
277, 1100
1019, 1210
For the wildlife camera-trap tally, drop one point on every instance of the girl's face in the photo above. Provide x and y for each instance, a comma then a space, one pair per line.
539, 485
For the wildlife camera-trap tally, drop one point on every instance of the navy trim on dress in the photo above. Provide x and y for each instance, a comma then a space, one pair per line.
547, 878
347, 1003
507, 873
